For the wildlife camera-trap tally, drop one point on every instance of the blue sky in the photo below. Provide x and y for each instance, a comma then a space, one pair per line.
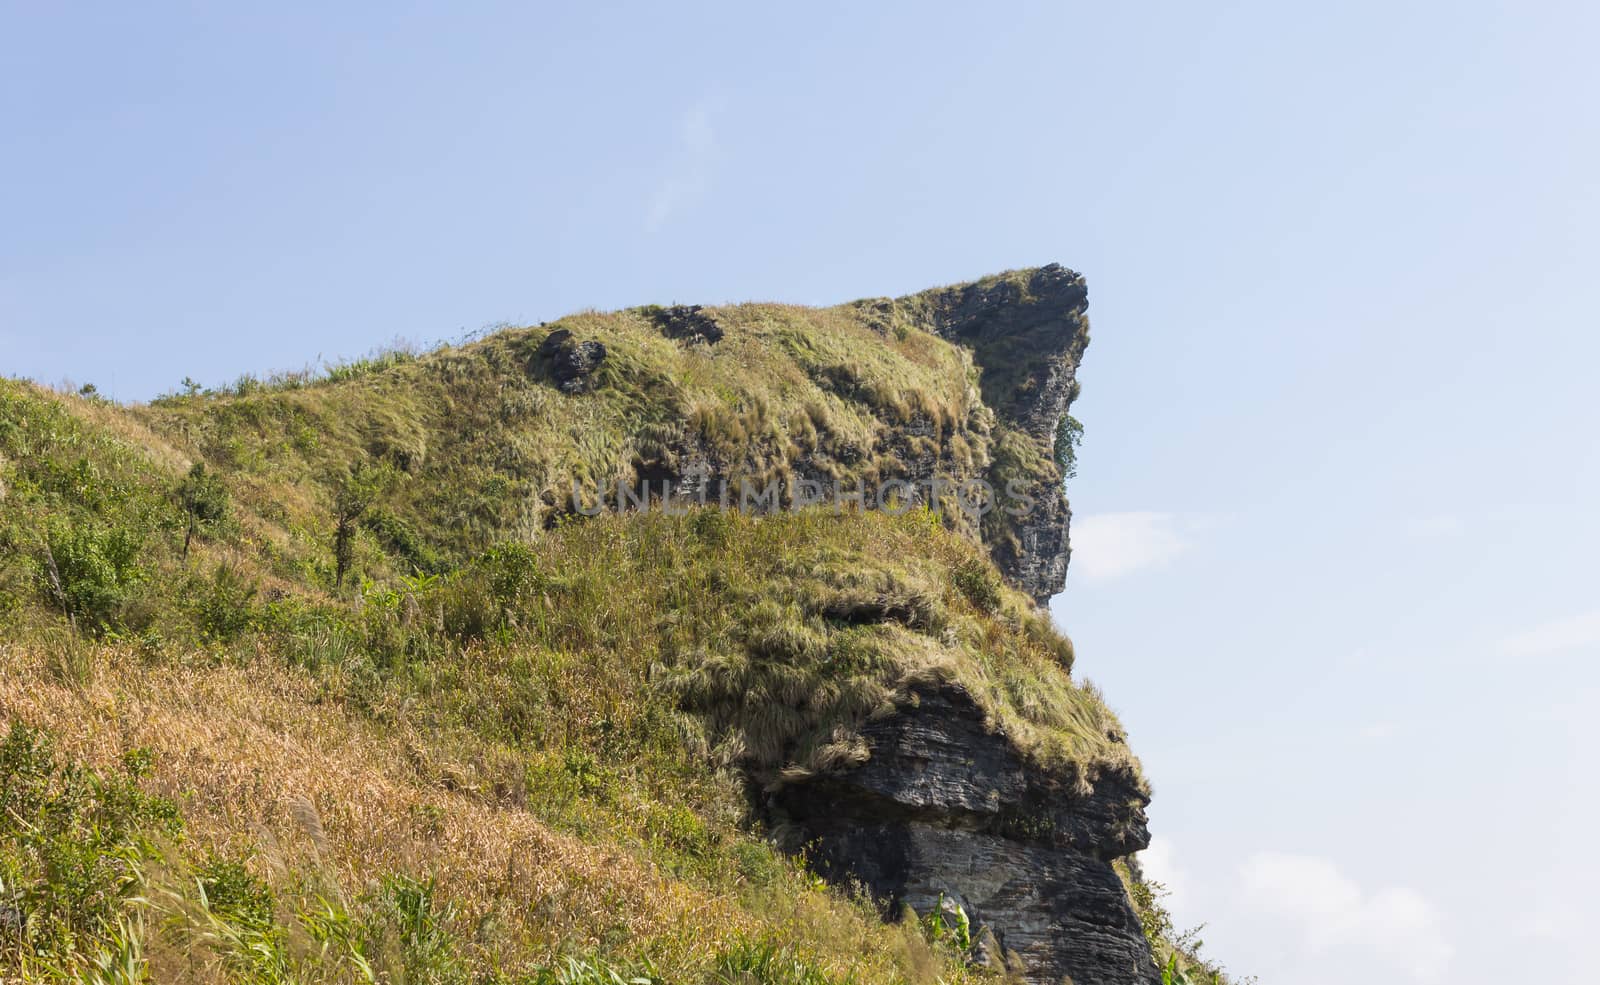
1335, 514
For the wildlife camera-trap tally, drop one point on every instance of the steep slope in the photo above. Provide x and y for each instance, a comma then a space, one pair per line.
947, 809
490, 440
1026, 333
377, 670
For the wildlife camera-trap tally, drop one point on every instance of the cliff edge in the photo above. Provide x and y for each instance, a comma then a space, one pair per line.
1027, 333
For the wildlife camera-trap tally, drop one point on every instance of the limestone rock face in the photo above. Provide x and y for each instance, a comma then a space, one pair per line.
1027, 337
1027, 333
945, 808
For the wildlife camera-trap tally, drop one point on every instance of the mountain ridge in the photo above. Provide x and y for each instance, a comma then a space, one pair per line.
396, 549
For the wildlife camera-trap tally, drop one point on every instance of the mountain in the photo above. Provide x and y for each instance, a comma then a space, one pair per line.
672, 644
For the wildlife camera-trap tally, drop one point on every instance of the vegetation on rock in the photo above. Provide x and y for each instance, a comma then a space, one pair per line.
318, 679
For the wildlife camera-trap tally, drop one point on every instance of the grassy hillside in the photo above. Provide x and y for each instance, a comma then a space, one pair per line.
512, 744
477, 444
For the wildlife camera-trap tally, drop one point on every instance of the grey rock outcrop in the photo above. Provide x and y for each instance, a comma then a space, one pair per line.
1028, 338
688, 323
946, 810
1027, 333
570, 362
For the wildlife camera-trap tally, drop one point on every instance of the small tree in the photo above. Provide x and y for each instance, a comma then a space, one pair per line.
204, 499
354, 494
1069, 436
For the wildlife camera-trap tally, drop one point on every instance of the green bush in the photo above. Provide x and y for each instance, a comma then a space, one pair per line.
234, 894
409, 916
758, 862
592, 971
71, 840
980, 583
486, 598
947, 925
1069, 437
679, 830
204, 500
399, 539
224, 605
90, 569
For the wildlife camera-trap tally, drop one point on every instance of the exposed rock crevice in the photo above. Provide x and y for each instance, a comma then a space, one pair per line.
946, 809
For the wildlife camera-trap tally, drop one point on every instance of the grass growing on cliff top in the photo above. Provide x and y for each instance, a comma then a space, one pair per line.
480, 446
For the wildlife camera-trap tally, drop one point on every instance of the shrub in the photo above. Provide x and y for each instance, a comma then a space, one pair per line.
679, 830
980, 583
90, 570
233, 893
1069, 437
947, 925
71, 838
224, 607
353, 493
484, 599
758, 862
410, 915
592, 971
398, 538
513, 573
204, 500
765, 962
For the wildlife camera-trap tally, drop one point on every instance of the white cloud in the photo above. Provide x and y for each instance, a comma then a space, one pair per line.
1159, 862
688, 170
1332, 927
1575, 633
1110, 545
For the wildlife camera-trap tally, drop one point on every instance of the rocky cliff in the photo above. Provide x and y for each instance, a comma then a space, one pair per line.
900, 712
1027, 335
1024, 334
946, 810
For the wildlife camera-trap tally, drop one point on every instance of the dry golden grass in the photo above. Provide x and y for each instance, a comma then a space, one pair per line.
324, 802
